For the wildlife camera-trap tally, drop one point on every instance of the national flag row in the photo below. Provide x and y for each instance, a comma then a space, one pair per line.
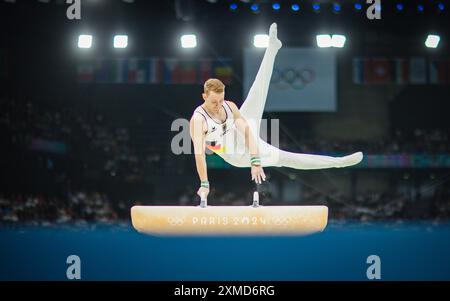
154, 71
415, 70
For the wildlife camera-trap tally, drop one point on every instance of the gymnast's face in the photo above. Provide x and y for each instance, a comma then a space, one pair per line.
213, 100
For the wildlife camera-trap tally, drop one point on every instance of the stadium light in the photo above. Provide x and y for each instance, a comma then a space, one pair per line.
432, 41
84, 41
338, 40
189, 41
120, 41
327, 41
323, 40
261, 41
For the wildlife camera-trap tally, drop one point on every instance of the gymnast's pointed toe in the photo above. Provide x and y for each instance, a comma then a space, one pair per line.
273, 29
273, 37
351, 160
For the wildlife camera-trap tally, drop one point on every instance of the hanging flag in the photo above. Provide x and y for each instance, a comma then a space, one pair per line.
377, 71
169, 66
155, 71
142, 71
119, 71
205, 70
132, 70
123, 72
223, 71
401, 71
176, 72
439, 71
106, 73
358, 70
100, 75
188, 72
417, 70
85, 72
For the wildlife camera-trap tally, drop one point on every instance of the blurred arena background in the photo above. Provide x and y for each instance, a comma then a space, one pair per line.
86, 132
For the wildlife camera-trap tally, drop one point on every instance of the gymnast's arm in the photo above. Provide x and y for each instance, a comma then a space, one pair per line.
244, 128
250, 141
197, 131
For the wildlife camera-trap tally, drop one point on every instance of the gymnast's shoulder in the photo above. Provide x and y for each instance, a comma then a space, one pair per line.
232, 105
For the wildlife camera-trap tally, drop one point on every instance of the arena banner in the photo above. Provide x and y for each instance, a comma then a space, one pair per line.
393, 161
303, 79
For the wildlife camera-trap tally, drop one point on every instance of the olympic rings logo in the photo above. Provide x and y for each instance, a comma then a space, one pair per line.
294, 78
280, 220
175, 221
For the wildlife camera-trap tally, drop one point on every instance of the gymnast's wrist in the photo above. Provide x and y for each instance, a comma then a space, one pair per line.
255, 161
204, 184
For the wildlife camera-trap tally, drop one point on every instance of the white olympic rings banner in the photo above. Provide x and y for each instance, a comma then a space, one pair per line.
303, 79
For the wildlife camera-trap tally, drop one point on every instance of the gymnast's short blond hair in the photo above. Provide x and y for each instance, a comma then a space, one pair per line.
215, 85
